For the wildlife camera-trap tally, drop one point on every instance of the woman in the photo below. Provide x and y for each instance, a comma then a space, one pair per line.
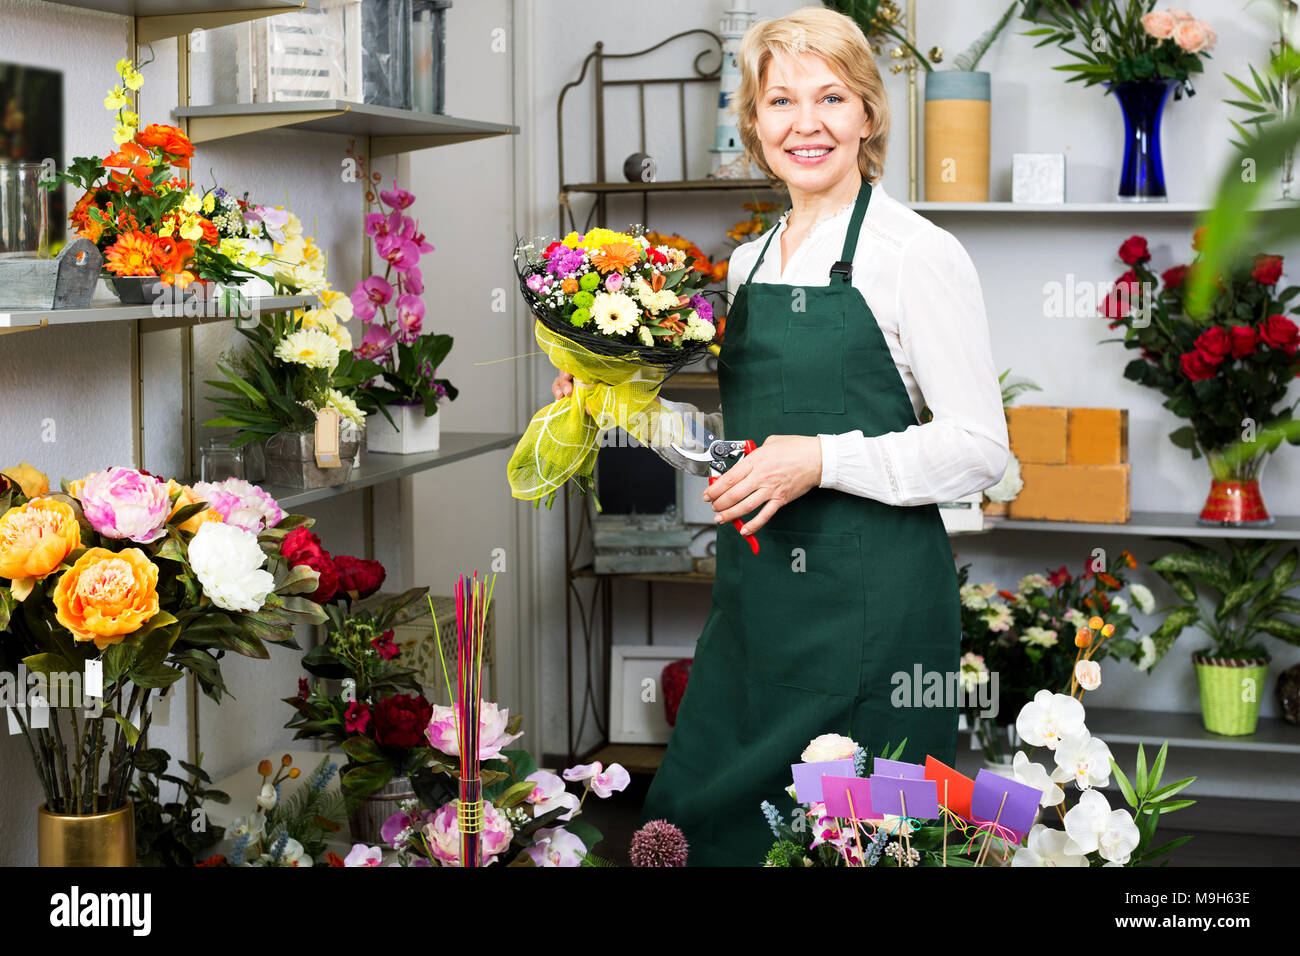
853, 314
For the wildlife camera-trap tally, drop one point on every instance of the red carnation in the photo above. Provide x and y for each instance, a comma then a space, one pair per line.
301, 547
1279, 332
357, 718
1268, 269
358, 577
655, 256
1058, 577
1175, 277
400, 720
1244, 341
1196, 367
1214, 344
1134, 250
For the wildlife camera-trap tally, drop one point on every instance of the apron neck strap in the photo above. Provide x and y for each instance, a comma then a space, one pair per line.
843, 268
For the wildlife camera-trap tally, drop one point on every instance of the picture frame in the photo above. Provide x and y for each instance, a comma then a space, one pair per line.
633, 720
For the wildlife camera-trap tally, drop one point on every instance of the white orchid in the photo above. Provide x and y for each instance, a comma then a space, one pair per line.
1143, 598
549, 793
1084, 759
1047, 718
1048, 847
603, 782
1035, 775
1094, 827
294, 854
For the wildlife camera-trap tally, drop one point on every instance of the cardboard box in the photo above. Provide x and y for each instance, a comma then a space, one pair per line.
1097, 436
1093, 493
1037, 433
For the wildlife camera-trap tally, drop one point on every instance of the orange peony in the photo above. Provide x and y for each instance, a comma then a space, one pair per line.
616, 257
29, 478
34, 540
131, 255
190, 497
170, 140
106, 596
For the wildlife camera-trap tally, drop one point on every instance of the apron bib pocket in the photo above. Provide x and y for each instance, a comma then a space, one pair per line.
812, 362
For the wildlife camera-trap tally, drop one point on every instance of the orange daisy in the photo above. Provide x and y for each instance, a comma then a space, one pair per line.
131, 255
616, 257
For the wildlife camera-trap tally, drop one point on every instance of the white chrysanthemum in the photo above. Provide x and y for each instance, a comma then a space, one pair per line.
697, 329
1010, 484
1076, 618
997, 616
973, 598
1142, 597
652, 300
311, 347
345, 406
1148, 658
228, 563
615, 313
1039, 637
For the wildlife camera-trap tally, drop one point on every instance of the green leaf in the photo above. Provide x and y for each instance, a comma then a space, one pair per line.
1166, 847
366, 779
128, 728
1157, 768
1140, 777
1173, 805
585, 832
362, 749
1282, 630
515, 793
50, 664
160, 675
1124, 786
1157, 796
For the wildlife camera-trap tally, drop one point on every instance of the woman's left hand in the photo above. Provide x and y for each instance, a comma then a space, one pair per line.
774, 474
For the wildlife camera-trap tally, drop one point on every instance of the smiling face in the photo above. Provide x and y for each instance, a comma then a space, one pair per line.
809, 122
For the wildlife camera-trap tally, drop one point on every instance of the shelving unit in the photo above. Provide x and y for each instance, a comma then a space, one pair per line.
153, 318
1083, 208
671, 186
160, 19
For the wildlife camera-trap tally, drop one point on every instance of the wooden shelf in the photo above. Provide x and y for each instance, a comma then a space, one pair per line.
155, 318
159, 19
635, 758
1083, 208
377, 468
391, 131
1154, 524
671, 186
693, 380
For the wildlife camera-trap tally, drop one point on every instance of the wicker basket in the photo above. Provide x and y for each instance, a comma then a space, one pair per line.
1225, 706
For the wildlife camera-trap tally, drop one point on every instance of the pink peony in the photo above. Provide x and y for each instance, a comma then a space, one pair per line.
369, 295
443, 834
1195, 36
556, 847
1160, 24
492, 734
124, 503
241, 503
603, 782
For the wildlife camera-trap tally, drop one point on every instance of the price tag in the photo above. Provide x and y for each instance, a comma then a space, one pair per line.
14, 728
327, 439
39, 712
162, 711
92, 684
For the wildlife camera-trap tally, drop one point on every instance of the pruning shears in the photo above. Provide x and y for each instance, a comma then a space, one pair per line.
719, 453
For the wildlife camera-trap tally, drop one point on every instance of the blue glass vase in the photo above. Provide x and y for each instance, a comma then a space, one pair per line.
1142, 177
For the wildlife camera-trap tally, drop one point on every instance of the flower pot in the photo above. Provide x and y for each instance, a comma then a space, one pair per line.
1142, 175
1234, 499
414, 433
368, 818
101, 839
957, 104
1230, 693
150, 290
291, 460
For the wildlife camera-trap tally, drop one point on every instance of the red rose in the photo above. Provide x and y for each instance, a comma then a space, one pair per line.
1279, 332
1119, 302
357, 718
1214, 344
301, 547
1268, 269
400, 720
1196, 367
1175, 277
1244, 341
1134, 250
358, 577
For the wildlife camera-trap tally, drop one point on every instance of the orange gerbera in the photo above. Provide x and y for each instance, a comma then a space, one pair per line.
131, 255
170, 253
170, 140
616, 257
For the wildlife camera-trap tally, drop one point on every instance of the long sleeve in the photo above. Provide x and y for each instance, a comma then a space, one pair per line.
943, 332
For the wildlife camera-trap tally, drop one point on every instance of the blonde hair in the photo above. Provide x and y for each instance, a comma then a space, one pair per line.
837, 40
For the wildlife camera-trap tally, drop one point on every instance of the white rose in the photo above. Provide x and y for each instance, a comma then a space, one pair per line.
828, 747
228, 563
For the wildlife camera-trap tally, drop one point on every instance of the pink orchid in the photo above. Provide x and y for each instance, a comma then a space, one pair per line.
410, 318
397, 198
556, 847
421, 243
603, 782
376, 224
413, 282
550, 794
378, 341
400, 252
363, 855
369, 295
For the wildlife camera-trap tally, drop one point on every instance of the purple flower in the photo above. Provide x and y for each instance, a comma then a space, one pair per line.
399, 822
702, 307
400, 252
397, 198
411, 230
534, 282
378, 341
427, 370
410, 318
369, 295
565, 262
376, 224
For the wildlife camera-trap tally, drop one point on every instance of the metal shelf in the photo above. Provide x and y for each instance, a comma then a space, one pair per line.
668, 577
1116, 726
671, 186
1154, 524
391, 131
1086, 208
159, 19
377, 468
155, 318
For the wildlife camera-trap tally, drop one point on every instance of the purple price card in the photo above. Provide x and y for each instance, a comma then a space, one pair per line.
808, 777
837, 791
897, 768
904, 797
1017, 809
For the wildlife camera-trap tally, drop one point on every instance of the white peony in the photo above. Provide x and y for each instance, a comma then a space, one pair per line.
1049, 717
1093, 826
1084, 759
228, 563
1009, 485
828, 747
1143, 598
1048, 847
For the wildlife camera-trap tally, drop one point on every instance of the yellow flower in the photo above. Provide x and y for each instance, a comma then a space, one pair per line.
116, 99
124, 66
209, 203
31, 480
598, 238
571, 240
133, 80
191, 230
130, 119
191, 203
34, 540
168, 228
338, 305
122, 134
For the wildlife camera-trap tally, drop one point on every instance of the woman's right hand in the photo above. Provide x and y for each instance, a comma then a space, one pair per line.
562, 386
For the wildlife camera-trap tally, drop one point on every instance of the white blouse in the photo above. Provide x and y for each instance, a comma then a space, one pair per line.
925, 294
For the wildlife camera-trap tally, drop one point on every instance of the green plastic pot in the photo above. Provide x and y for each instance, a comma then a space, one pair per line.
1230, 692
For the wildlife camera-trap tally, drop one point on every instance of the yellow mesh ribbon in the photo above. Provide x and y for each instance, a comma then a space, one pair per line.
562, 439
469, 816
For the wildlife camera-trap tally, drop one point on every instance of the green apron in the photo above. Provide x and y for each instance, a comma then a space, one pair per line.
849, 601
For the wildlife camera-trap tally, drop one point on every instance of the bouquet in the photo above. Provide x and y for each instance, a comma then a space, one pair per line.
620, 315
144, 218
134, 582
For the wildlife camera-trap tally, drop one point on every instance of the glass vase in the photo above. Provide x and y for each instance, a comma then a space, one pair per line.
1142, 176
1234, 500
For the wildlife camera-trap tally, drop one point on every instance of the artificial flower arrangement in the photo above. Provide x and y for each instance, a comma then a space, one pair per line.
620, 315
165, 831
716, 271
763, 216
842, 819
144, 217
292, 830
142, 581
1227, 372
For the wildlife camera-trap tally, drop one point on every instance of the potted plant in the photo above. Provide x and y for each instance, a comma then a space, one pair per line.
1141, 55
1227, 370
111, 590
1253, 600
156, 234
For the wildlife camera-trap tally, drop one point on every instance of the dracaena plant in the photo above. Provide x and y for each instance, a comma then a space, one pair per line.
1236, 599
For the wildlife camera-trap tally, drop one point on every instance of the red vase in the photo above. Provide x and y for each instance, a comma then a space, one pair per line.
1235, 499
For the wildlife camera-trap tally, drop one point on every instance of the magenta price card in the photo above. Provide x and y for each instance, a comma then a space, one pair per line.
837, 790
1017, 809
904, 797
897, 768
808, 777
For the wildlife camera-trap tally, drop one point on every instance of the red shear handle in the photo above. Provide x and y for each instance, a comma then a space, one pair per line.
736, 522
